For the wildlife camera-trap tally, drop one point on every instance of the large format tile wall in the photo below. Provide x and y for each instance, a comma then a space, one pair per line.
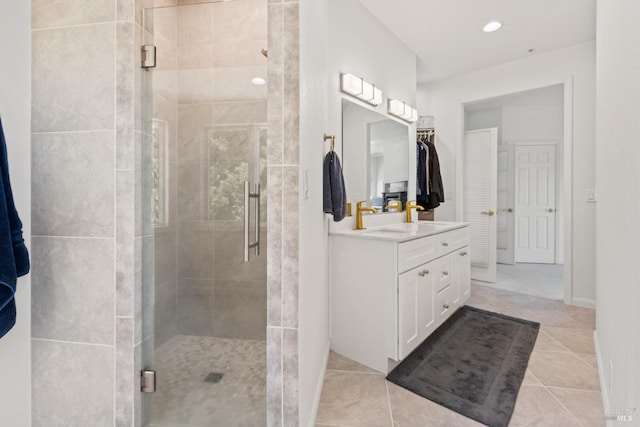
283, 209
91, 237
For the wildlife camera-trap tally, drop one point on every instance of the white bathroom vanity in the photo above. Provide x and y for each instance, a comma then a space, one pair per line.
392, 286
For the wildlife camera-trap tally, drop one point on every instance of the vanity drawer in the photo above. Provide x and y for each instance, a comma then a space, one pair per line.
416, 252
443, 304
452, 240
441, 273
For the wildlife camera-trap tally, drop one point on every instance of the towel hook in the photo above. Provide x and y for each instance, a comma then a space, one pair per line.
333, 141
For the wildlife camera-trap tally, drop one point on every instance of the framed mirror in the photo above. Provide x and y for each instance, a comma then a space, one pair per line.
375, 152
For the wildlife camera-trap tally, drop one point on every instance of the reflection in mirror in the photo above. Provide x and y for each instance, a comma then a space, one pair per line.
375, 153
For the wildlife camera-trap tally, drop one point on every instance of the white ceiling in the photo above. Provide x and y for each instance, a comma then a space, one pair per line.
448, 39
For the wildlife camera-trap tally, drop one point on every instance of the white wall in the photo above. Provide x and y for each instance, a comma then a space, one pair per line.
15, 109
314, 252
574, 65
332, 41
618, 207
484, 118
535, 115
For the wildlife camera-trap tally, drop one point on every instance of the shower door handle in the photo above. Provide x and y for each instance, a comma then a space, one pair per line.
248, 195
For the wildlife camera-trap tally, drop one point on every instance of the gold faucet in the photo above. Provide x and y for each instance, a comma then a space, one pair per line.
397, 206
359, 210
411, 205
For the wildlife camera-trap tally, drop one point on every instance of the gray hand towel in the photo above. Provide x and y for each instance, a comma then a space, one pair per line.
334, 193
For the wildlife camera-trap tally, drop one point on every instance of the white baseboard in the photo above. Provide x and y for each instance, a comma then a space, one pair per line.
318, 393
583, 302
601, 373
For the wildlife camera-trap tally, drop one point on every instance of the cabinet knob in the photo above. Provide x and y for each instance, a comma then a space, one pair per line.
423, 272
463, 253
445, 244
446, 273
445, 305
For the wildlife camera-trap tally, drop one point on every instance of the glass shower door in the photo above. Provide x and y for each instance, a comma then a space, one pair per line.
209, 138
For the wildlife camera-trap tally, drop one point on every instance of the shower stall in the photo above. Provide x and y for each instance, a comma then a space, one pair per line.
206, 136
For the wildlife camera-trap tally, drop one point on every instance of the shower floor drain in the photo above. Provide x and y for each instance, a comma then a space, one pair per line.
213, 377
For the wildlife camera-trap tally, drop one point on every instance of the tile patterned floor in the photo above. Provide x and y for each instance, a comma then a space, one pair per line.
540, 280
183, 397
560, 388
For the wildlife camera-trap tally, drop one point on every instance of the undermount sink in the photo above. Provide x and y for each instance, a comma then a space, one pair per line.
410, 227
386, 230
405, 231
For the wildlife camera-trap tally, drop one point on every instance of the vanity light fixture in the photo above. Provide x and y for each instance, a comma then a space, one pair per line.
402, 110
361, 89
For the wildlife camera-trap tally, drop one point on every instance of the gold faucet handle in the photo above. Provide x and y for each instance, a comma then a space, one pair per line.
349, 209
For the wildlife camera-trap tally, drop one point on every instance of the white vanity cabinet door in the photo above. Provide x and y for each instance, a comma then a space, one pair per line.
426, 306
460, 263
408, 322
416, 311
463, 273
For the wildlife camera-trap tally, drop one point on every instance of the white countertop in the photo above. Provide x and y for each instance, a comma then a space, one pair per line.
402, 232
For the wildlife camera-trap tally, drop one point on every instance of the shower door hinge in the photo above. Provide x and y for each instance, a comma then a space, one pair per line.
148, 56
148, 381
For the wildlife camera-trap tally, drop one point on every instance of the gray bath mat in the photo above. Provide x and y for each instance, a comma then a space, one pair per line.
472, 364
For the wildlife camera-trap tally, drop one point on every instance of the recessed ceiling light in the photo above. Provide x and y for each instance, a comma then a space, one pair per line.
258, 81
492, 26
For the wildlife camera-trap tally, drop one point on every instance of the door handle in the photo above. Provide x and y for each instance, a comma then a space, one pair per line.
550, 210
248, 195
510, 210
490, 213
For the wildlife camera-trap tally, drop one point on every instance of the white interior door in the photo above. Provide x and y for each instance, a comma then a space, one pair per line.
480, 200
535, 203
505, 245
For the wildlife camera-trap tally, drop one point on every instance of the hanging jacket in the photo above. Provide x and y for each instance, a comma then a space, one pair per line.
436, 189
14, 257
429, 188
422, 179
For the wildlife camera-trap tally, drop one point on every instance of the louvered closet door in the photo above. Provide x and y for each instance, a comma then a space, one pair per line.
480, 200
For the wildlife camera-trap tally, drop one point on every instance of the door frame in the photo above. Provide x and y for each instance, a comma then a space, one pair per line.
567, 163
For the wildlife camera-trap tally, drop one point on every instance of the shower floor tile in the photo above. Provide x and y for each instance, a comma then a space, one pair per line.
183, 397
